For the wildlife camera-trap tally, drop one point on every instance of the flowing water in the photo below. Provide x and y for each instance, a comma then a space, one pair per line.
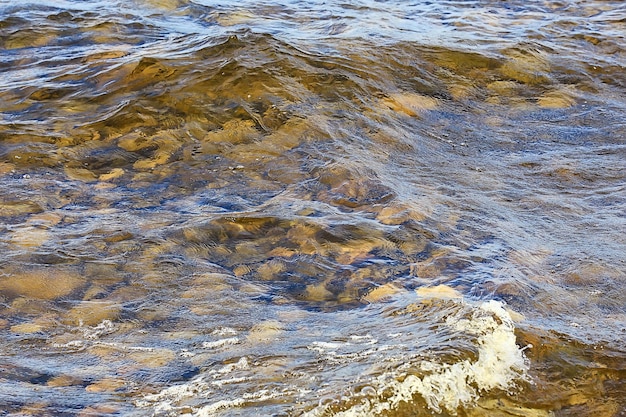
310, 208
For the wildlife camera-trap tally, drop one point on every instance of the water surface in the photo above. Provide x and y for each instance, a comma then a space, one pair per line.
254, 208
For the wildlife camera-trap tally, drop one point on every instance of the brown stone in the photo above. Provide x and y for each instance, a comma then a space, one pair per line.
105, 385
63, 381
44, 283
91, 313
381, 293
99, 410
411, 104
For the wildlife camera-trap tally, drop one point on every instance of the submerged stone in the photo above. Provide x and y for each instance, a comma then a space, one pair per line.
106, 385
92, 312
411, 104
30, 236
383, 292
46, 283
18, 208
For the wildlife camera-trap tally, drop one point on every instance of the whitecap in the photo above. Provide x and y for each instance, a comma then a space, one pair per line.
500, 363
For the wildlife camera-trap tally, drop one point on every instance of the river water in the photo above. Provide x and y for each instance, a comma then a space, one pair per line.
311, 208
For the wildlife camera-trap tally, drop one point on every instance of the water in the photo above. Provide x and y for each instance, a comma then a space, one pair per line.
310, 209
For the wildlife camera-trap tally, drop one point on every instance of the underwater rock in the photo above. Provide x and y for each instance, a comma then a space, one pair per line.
411, 104
92, 312
382, 292
18, 208
106, 385
438, 291
265, 331
44, 283
30, 236
556, 100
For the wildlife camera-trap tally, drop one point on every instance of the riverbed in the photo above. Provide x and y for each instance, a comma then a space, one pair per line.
309, 209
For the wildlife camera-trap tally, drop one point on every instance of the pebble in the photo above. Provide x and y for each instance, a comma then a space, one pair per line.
27, 328
411, 104
63, 381
269, 270
105, 385
504, 408
18, 208
99, 410
6, 168
91, 313
526, 67
438, 291
152, 358
111, 175
44, 283
30, 236
80, 174
266, 331
555, 100
381, 293
317, 292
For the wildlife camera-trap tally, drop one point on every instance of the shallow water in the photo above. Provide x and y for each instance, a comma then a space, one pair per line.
256, 208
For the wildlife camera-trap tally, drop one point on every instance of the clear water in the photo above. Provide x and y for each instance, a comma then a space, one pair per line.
312, 209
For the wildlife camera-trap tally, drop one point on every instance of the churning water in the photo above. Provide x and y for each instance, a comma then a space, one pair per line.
312, 208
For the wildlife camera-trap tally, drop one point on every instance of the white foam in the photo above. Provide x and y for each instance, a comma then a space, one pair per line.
212, 409
224, 331
73, 344
221, 382
167, 401
164, 401
95, 332
396, 371
221, 343
364, 339
444, 386
241, 364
